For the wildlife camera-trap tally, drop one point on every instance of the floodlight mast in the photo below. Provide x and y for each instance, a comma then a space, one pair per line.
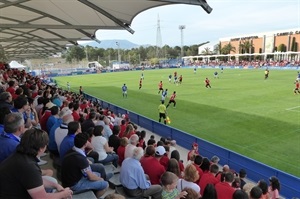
181, 28
119, 58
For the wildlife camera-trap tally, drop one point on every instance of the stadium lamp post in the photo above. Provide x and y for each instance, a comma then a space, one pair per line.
119, 58
181, 28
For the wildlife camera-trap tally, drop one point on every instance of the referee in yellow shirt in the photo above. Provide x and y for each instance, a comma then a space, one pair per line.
162, 112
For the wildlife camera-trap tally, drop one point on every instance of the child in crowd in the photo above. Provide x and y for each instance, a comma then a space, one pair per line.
274, 187
169, 183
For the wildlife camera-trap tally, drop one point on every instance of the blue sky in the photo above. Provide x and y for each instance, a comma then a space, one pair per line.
228, 18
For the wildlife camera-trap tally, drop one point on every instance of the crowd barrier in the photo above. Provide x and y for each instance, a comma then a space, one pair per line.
290, 185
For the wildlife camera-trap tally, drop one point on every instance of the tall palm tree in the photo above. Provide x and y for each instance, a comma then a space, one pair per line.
245, 46
206, 51
227, 49
218, 48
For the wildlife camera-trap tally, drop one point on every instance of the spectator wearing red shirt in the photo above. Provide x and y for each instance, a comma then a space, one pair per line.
175, 154
11, 88
224, 189
122, 128
129, 131
152, 167
209, 178
121, 149
197, 162
75, 113
164, 160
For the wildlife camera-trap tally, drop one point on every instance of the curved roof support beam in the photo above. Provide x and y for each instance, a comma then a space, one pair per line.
126, 26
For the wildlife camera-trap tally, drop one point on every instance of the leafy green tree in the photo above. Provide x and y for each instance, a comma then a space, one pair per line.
206, 51
281, 48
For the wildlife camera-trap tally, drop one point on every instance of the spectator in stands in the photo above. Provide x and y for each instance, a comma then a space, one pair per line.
152, 166
122, 128
76, 171
274, 187
173, 167
247, 187
240, 194
18, 92
236, 183
242, 176
190, 176
224, 189
142, 139
6, 100
193, 151
121, 149
33, 115
209, 177
100, 145
20, 176
255, 193
76, 112
191, 194
11, 87
134, 180
205, 165
39, 107
53, 118
74, 128
215, 160
175, 154
46, 113
165, 158
264, 187
107, 132
169, 182
197, 162
151, 141
90, 122
60, 129
21, 105
10, 139
4, 111
133, 140
129, 131
209, 192
114, 140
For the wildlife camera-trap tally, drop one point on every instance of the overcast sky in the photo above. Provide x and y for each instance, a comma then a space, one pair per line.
228, 18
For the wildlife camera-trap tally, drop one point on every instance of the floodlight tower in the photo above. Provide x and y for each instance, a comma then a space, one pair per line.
158, 38
119, 57
181, 28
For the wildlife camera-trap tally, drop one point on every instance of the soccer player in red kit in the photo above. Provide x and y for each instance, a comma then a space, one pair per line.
160, 87
140, 85
207, 83
172, 99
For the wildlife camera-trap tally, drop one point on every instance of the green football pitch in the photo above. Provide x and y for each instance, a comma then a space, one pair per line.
242, 112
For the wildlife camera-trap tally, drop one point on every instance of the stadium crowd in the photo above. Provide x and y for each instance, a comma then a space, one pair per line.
82, 137
244, 63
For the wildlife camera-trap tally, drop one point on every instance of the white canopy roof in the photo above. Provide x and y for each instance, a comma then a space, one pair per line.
30, 28
14, 64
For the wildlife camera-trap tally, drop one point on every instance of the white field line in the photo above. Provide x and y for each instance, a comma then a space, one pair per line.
292, 109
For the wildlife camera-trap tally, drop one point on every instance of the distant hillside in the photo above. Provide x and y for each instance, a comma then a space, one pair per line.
124, 44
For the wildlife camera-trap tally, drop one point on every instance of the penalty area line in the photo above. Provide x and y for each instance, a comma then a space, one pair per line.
292, 109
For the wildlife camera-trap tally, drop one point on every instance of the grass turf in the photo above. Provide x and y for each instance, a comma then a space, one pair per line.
242, 112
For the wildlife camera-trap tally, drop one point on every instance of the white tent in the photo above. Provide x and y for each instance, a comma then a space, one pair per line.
14, 64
